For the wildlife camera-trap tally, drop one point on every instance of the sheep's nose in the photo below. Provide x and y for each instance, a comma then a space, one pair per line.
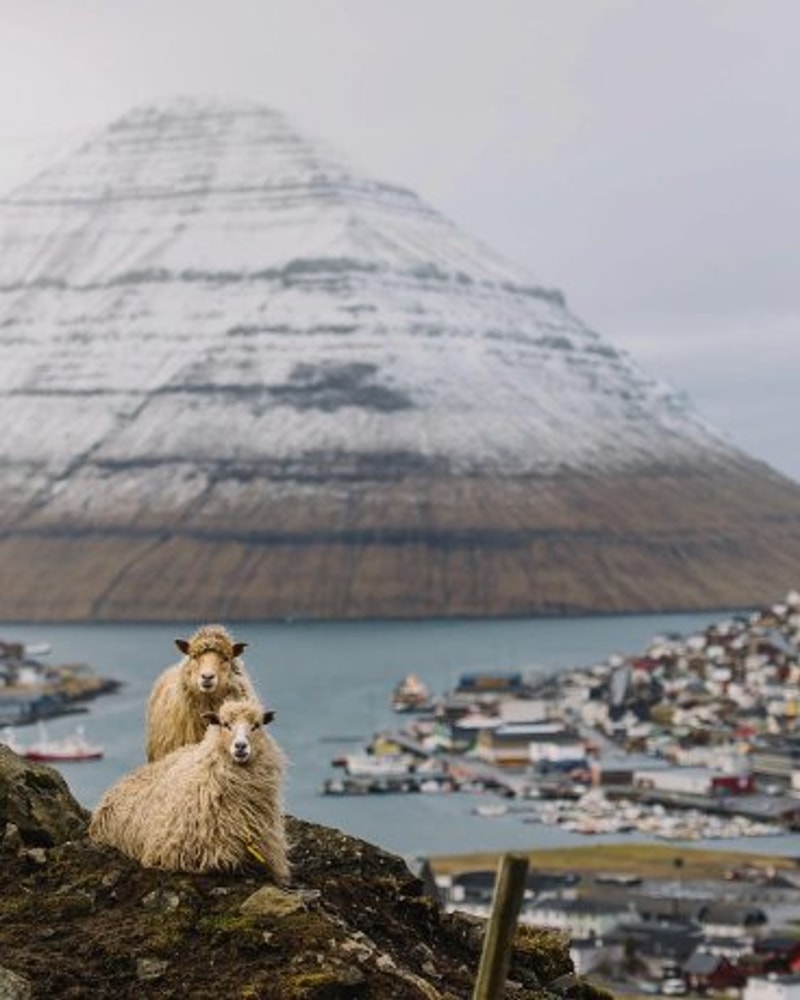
240, 746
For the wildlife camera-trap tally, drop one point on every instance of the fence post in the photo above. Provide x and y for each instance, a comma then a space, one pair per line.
496, 955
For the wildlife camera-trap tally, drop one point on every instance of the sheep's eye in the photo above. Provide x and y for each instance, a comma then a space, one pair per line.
226, 725
254, 727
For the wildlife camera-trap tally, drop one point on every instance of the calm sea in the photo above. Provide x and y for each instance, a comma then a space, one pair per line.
330, 685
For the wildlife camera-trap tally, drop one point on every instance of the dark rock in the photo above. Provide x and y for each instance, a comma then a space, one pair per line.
36, 800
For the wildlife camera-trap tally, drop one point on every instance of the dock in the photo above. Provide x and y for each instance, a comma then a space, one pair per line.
465, 770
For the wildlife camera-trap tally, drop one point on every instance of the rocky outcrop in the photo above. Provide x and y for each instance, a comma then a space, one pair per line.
36, 807
242, 379
78, 921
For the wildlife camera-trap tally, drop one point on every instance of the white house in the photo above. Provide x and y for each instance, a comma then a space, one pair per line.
580, 918
515, 710
509, 743
772, 987
587, 955
679, 780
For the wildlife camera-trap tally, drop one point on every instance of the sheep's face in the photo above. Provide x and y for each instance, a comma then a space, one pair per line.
211, 661
240, 747
209, 672
237, 729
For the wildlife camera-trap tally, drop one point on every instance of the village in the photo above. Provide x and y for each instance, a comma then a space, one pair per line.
32, 690
737, 935
693, 739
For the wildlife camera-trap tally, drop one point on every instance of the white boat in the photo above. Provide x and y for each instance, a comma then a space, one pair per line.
492, 810
37, 649
70, 748
411, 695
377, 766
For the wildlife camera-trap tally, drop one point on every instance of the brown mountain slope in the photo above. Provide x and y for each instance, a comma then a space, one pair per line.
724, 536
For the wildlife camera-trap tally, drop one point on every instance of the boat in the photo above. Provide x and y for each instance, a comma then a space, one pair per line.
388, 784
411, 695
372, 766
491, 809
71, 748
37, 648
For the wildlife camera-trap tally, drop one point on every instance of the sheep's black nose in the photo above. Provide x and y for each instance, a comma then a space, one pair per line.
240, 746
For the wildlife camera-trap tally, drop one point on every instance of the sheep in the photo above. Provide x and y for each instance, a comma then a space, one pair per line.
210, 672
207, 806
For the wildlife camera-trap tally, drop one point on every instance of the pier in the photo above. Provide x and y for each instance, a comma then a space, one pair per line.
455, 773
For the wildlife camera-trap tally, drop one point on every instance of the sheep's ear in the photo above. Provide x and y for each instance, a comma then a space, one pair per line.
239, 648
183, 646
267, 717
211, 718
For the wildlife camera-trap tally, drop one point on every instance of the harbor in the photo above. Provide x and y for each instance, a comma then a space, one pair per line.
331, 685
694, 738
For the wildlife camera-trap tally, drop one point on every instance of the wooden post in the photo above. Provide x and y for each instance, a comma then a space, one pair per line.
496, 955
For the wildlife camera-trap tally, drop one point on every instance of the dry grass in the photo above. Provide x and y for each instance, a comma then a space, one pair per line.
648, 860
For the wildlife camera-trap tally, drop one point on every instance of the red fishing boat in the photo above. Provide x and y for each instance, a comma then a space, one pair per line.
67, 749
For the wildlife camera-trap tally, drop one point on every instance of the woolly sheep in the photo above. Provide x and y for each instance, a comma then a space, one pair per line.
210, 672
208, 806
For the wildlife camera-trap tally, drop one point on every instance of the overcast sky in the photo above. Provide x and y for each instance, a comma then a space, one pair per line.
642, 155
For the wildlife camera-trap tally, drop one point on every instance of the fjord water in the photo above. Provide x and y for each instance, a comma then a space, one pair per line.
330, 685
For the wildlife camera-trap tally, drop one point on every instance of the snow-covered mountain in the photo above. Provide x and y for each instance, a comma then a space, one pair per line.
241, 379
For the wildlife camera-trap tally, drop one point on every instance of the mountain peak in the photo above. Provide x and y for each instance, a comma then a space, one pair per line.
218, 333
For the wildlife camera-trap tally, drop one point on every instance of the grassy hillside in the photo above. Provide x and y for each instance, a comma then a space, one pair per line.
654, 861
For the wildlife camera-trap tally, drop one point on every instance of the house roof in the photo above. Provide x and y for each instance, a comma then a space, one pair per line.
728, 945
730, 915
704, 910
483, 880
669, 909
674, 941
703, 963
643, 928
579, 907
777, 943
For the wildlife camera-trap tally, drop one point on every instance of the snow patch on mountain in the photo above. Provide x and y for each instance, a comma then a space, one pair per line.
200, 283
